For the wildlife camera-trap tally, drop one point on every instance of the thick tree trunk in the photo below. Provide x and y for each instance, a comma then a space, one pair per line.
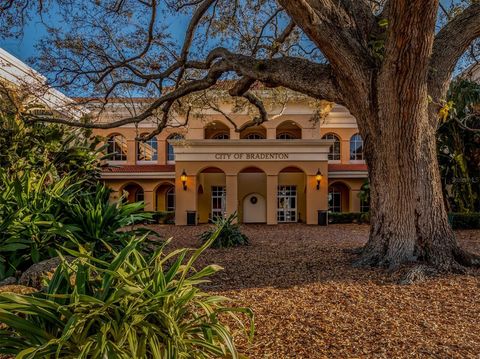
408, 214
409, 220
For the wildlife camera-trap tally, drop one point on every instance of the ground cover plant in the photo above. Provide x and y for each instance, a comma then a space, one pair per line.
230, 234
131, 307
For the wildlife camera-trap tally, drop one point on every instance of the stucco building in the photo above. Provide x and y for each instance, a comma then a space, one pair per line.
284, 170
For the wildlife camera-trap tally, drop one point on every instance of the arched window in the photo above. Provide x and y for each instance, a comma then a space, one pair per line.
148, 150
288, 130
170, 199
334, 154
285, 136
117, 148
170, 151
139, 195
356, 147
221, 136
254, 136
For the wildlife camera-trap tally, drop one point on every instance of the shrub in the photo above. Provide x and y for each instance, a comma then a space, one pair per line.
348, 217
163, 217
38, 214
100, 224
30, 211
131, 307
229, 233
464, 220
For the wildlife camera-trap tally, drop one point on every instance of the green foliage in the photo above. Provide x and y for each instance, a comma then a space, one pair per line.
464, 220
38, 147
38, 214
348, 217
31, 209
229, 233
101, 224
458, 139
163, 217
130, 307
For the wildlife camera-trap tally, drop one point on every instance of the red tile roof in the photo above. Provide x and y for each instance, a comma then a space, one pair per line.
139, 168
347, 167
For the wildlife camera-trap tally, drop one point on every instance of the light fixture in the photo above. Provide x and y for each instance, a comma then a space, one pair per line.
318, 177
183, 178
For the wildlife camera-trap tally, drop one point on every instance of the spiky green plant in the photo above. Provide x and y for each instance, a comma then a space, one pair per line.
130, 307
229, 233
31, 207
39, 214
102, 224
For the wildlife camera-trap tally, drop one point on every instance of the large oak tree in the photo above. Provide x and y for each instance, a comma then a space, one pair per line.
389, 62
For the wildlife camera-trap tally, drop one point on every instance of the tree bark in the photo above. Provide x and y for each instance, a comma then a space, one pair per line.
409, 220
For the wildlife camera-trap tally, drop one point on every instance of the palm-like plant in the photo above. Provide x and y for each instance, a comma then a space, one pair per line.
102, 224
30, 211
131, 307
229, 233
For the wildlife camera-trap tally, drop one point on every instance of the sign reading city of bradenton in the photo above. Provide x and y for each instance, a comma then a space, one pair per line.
248, 156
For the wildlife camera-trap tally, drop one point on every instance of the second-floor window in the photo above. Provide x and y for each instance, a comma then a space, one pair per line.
117, 148
334, 154
221, 136
148, 150
170, 150
254, 136
285, 136
356, 148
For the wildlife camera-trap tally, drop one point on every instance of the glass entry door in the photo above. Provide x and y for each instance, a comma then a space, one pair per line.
219, 199
287, 204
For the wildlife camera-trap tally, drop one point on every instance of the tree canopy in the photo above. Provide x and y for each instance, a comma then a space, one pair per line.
167, 50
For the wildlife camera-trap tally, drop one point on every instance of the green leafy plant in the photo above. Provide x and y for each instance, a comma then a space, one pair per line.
229, 235
31, 208
102, 224
39, 214
130, 307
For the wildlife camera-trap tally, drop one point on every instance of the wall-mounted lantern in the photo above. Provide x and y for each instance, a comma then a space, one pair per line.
318, 177
183, 178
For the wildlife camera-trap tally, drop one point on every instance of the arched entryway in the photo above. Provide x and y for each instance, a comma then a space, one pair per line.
291, 195
132, 192
252, 190
165, 197
338, 197
211, 194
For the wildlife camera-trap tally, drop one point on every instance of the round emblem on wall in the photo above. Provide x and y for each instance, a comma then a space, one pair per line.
253, 200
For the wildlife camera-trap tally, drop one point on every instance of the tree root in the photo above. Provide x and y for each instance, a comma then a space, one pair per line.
417, 271
417, 274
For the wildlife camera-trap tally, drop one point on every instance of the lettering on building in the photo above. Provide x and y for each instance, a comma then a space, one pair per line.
247, 156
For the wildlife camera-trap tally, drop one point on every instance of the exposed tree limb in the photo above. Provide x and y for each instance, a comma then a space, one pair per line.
450, 44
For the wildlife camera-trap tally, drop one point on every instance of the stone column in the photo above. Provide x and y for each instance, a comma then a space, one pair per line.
316, 199
271, 133
234, 135
131, 152
149, 200
272, 192
186, 200
231, 184
354, 200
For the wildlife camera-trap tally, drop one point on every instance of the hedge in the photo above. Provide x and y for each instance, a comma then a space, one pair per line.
164, 217
348, 217
464, 220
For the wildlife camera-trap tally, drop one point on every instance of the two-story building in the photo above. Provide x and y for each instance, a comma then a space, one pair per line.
284, 170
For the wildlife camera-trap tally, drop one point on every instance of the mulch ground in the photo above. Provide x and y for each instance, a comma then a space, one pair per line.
310, 302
